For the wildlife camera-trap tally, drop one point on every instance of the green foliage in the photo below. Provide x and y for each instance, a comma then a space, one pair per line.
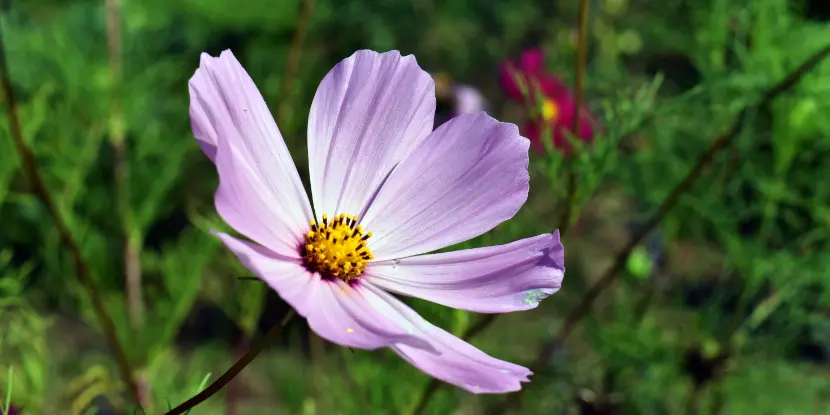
664, 80
23, 338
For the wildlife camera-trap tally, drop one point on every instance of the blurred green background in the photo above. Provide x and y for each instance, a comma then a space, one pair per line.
725, 308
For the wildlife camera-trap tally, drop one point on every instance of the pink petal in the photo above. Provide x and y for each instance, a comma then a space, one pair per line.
468, 100
260, 193
199, 122
568, 113
531, 71
551, 86
287, 276
494, 279
534, 131
463, 180
509, 76
457, 362
368, 113
334, 310
533, 61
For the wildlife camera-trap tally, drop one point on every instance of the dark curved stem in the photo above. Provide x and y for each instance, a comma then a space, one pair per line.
720, 143
30, 166
234, 387
234, 370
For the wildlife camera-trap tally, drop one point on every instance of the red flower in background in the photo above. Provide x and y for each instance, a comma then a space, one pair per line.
558, 108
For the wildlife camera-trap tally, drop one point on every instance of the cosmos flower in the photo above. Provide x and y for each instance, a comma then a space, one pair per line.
386, 189
557, 110
454, 99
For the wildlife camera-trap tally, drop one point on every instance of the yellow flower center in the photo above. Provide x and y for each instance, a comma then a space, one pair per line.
337, 248
549, 110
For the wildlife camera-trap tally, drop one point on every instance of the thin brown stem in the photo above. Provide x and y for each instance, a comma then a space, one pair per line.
720, 143
234, 370
294, 54
131, 245
30, 167
234, 387
581, 61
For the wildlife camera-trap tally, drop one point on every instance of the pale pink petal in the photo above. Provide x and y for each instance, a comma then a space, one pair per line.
457, 362
287, 276
344, 316
199, 122
368, 113
495, 279
260, 193
468, 176
334, 310
468, 100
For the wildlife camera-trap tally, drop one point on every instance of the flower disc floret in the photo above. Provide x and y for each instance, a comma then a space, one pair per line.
337, 248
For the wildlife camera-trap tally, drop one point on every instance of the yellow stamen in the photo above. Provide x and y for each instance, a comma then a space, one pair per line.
337, 248
549, 110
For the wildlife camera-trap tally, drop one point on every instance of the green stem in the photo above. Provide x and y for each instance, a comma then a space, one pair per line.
581, 60
30, 166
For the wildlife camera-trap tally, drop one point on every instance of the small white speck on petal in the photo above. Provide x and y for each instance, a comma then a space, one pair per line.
349, 330
533, 297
